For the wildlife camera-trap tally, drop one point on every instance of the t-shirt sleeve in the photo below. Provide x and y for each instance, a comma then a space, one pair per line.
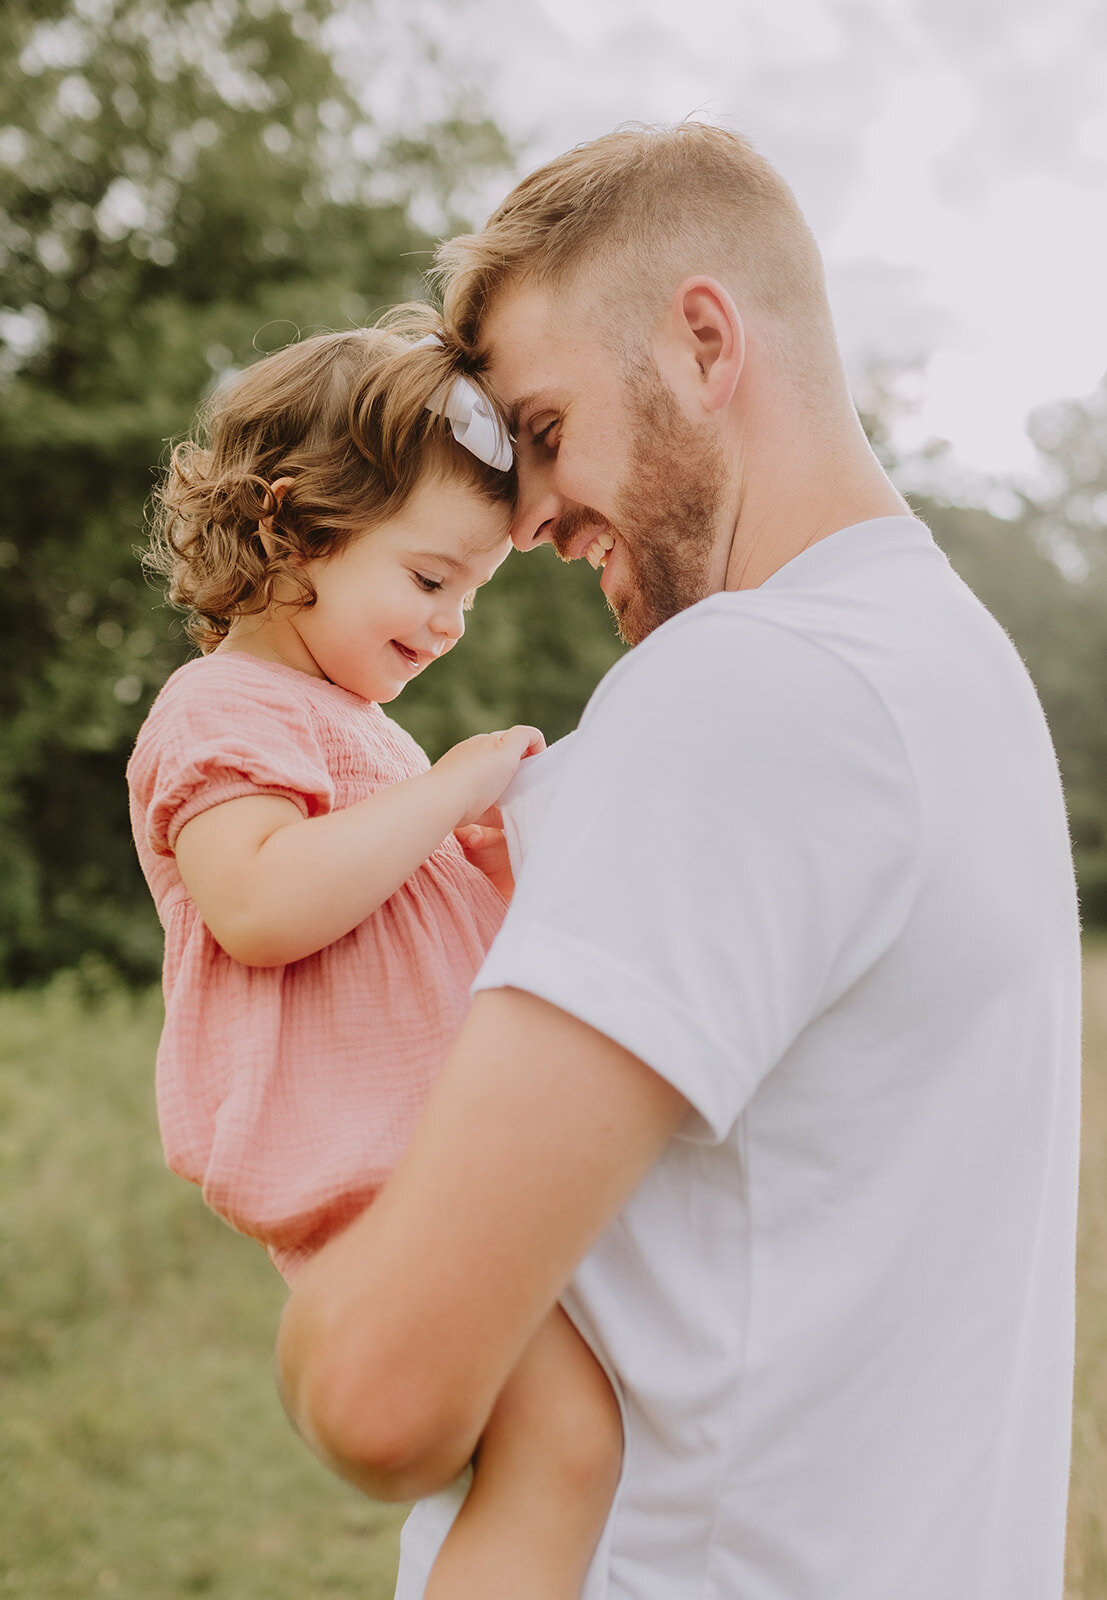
214, 736
732, 843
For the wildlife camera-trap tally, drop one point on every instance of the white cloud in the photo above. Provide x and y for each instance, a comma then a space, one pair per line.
951, 156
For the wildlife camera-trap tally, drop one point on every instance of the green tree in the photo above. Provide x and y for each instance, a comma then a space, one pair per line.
174, 177
1071, 511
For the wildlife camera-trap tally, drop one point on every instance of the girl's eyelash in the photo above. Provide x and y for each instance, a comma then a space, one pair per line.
433, 585
543, 435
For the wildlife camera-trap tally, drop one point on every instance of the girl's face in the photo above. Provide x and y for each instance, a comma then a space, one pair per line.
394, 599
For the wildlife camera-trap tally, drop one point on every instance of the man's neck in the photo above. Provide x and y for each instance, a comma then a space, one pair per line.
821, 490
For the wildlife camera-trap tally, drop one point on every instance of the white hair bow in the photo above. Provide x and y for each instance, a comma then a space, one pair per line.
472, 419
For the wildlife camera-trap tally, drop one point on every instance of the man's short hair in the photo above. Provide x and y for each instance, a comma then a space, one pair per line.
636, 212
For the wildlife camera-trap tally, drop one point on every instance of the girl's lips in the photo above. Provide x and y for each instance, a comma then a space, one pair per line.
408, 655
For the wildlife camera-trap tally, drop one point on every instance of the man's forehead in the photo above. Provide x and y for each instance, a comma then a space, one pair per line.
518, 308
529, 340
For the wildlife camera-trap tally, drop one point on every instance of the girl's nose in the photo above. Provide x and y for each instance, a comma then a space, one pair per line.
449, 621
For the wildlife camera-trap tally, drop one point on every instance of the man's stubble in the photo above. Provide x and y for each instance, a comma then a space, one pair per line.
667, 512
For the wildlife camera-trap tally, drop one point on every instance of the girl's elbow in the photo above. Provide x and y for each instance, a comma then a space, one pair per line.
254, 942
255, 954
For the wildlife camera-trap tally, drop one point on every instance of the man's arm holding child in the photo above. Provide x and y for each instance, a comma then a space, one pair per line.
399, 1337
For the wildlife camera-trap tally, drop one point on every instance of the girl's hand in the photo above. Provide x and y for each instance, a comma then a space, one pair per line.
482, 767
486, 849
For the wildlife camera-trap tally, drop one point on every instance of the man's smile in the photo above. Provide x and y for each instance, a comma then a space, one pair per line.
597, 552
575, 532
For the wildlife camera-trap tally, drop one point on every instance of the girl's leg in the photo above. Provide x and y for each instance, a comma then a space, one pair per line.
544, 1477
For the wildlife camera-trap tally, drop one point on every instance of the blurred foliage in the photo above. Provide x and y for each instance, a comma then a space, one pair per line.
173, 178
184, 183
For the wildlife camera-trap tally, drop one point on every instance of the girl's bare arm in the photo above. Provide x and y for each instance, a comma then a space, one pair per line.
544, 1478
274, 886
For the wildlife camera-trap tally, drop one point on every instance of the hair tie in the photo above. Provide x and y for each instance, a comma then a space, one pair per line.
474, 423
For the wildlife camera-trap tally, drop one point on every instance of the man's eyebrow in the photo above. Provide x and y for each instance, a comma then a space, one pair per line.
516, 412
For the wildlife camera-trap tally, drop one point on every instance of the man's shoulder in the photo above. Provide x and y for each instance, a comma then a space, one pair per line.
737, 643
862, 620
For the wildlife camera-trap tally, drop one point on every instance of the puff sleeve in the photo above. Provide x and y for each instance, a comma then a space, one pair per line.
218, 732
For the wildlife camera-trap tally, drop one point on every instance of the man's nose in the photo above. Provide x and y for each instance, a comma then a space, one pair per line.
538, 509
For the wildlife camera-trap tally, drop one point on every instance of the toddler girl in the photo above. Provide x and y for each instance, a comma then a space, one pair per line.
322, 921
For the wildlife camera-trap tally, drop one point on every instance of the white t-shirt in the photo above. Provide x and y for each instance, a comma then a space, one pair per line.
807, 857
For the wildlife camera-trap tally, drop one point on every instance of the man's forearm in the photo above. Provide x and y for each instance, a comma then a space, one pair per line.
397, 1340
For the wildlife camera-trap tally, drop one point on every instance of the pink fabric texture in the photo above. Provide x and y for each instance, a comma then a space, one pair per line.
288, 1093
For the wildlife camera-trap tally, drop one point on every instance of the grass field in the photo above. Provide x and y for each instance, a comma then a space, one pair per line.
1087, 1547
143, 1454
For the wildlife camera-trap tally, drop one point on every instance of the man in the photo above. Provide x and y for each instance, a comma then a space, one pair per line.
777, 1051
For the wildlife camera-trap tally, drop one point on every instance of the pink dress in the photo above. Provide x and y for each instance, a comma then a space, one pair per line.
288, 1093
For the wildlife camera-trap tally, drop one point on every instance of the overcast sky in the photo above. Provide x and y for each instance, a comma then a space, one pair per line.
951, 156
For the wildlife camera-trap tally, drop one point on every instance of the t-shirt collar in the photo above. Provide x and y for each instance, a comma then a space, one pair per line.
827, 557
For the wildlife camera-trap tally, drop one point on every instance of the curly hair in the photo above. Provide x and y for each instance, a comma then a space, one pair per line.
344, 416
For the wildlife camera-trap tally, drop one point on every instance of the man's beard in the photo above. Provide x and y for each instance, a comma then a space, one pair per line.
666, 516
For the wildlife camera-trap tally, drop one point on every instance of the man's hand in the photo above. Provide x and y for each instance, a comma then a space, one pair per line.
399, 1336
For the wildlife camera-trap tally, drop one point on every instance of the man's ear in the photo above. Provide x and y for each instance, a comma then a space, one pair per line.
277, 490
708, 341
